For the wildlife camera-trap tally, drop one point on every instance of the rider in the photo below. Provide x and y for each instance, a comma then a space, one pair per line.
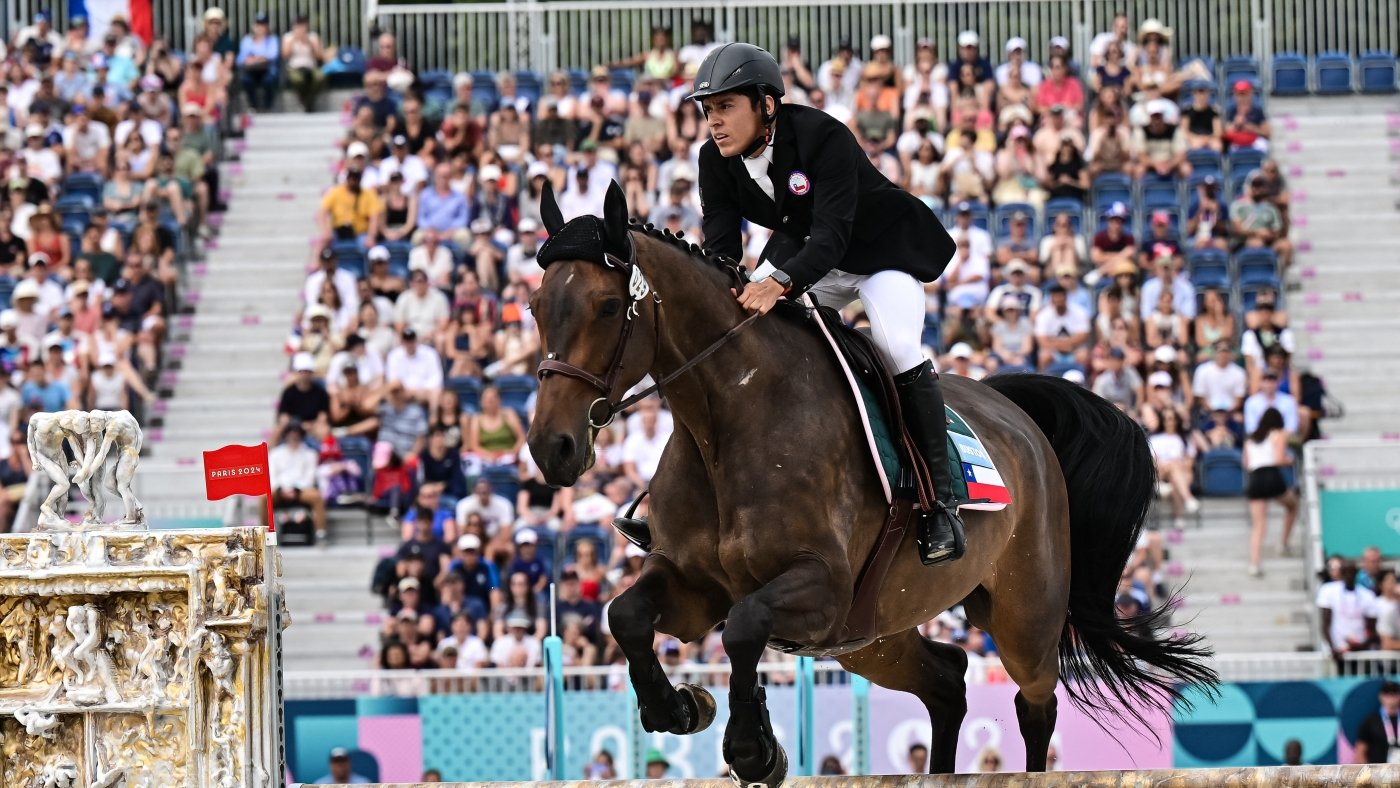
841, 231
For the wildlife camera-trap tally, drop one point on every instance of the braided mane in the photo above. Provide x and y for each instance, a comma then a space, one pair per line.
714, 259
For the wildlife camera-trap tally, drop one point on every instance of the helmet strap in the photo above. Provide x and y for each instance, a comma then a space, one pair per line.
766, 138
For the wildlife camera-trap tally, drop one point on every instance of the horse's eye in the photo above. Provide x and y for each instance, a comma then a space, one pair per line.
611, 307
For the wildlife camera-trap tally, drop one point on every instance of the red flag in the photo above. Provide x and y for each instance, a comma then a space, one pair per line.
238, 470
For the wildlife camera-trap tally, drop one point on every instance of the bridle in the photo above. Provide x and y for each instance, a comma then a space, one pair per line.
638, 288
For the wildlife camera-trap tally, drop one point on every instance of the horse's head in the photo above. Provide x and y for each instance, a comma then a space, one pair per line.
588, 306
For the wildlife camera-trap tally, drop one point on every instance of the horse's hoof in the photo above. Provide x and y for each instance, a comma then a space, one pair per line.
702, 707
777, 771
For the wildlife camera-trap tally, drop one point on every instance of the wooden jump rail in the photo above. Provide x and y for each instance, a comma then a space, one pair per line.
1236, 777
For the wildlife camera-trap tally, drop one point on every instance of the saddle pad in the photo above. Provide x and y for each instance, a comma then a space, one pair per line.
973, 472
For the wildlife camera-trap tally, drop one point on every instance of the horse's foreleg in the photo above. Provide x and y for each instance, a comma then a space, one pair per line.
632, 619
798, 606
932, 672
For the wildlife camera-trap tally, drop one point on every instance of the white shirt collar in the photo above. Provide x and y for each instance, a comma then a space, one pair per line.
758, 165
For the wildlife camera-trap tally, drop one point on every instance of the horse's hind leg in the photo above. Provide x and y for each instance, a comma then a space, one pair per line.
932, 672
660, 595
797, 606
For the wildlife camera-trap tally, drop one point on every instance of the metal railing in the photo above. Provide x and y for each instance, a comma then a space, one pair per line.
542, 35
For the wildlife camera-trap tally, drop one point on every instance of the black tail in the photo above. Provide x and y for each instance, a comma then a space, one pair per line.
1110, 666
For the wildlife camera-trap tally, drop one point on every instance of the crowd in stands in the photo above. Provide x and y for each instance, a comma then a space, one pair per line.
109, 152
1359, 607
1117, 218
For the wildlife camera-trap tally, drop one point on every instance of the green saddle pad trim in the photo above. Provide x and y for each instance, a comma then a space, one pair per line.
889, 452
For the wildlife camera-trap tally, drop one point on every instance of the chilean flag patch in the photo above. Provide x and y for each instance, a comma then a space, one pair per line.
798, 183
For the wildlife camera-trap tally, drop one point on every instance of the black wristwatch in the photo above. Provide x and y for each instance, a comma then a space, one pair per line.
781, 278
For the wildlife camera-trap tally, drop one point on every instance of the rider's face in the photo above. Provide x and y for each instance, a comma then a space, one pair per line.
733, 121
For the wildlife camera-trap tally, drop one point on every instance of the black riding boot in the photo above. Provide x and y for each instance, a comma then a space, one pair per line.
636, 529
940, 532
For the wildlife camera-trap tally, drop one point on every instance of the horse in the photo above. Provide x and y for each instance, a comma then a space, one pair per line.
763, 509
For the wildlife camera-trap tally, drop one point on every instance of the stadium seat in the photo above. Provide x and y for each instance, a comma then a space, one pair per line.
1058, 369
578, 81
347, 70
1209, 269
1377, 72
349, 257
1237, 68
505, 480
1112, 187
1159, 194
1290, 71
1249, 294
1003, 219
468, 391
932, 336
1334, 73
436, 79
1243, 161
515, 391
7, 289
398, 257
980, 215
1256, 267
83, 184
598, 533
1205, 161
1222, 473
484, 88
623, 79
1065, 205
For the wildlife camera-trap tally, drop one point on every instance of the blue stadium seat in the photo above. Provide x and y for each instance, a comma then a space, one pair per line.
505, 481
83, 184
1158, 194
468, 391
1065, 205
980, 215
439, 96
1003, 219
1222, 473
7, 289
1256, 267
398, 257
1209, 269
515, 391
932, 336
1058, 369
347, 70
1112, 187
484, 88
438, 78
1250, 293
1237, 68
600, 534
1205, 161
1377, 72
1334, 73
623, 79
349, 257
1189, 88
1290, 74
578, 81
1243, 161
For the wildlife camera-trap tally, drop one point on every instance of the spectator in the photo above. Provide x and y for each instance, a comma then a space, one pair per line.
1159, 147
1203, 126
416, 368
1062, 89
430, 509
402, 160
1119, 382
1265, 328
1246, 126
304, 401
1063, 247
1369, 572
430, 257
1168, 280
443, 210
292, 470
1017, 288
87, 145
1112, 71
1117, 34
1110, 145
496, 512
422, 308
481, 581
960, 362
303, 56
1257, 222
1062, 330
1208, 223
472, 653
257, 61
340, 772
1269, 397
1114, 244
1348, 614
1265, 458
515, 646
969, 53
1220, 380
1175, 457
1377, 740
1019, 171
641, 451
350, 211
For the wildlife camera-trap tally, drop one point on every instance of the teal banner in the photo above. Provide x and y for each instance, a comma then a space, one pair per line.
1353, 520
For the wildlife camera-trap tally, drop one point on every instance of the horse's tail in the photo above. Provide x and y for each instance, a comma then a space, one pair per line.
1110, 666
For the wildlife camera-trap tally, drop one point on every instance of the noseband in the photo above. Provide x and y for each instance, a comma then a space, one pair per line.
637, 288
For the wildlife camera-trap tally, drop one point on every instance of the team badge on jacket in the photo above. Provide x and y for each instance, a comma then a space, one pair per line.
798, 183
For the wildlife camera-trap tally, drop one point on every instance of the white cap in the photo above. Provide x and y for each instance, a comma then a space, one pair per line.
462, 79
536, 168
318, 310
214, 13
879, 42
26, 289
1160, 378
303, 362
968, 38
527, 225
106, 358
1161, 106
490, 173
961, 350
33, 130
1074, 376
634, 551
1015, 42
683, 172
469, 542
356, 149
1059, 41
527, 537
1164, 353
378, 252
9, 319
481, 224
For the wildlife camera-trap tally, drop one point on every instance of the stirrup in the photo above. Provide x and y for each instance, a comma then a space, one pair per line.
940, 535
635, 529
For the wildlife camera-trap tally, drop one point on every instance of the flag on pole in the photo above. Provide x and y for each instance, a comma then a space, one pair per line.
100, 13
238, 470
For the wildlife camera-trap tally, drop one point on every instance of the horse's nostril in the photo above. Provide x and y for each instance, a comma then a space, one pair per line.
566, 447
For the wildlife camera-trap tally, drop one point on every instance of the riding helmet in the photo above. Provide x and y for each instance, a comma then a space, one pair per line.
735, 66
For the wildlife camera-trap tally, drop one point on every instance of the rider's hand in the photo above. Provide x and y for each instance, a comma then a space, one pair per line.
760, 297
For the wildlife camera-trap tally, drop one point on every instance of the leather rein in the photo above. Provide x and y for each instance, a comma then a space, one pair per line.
638, 288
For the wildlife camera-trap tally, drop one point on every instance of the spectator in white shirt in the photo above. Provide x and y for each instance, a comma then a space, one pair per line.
1098, 47
521, 262
368, 365
980, 239
1219, 379
422, 308
1016, 287
965, 279
1183, 293
41, 163
583, 197
292, 466
86, 143
517, 648
1016, 54
415, 172
1348, 613
641, 452
1268, 396
496, 512
1062, 330
431, 257
418, 368
344, 282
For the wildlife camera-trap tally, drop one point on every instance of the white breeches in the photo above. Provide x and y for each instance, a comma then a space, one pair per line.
894, 302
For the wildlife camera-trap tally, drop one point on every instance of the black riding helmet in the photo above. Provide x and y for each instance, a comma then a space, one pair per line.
736, 67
